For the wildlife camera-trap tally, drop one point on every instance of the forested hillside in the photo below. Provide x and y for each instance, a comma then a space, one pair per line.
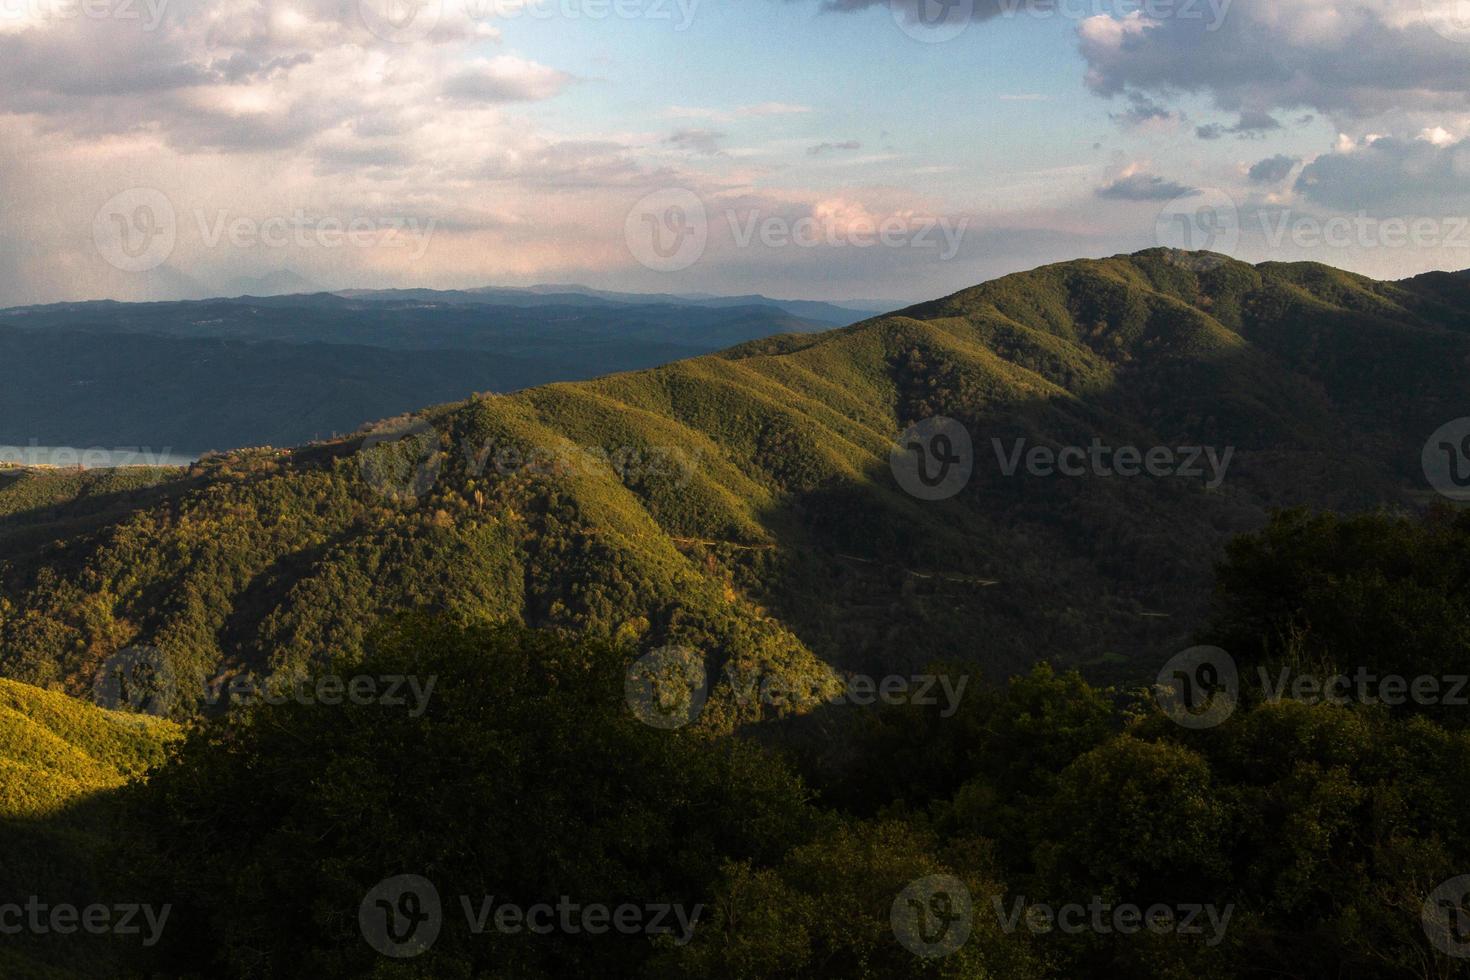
744, 504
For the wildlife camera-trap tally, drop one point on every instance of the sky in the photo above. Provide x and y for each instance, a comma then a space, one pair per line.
856, 150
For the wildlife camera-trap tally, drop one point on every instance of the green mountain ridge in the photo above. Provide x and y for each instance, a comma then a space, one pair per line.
742, 503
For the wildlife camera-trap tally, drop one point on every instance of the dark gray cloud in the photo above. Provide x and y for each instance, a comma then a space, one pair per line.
1251, 125
1351, 61
1143, 110
824, 148
705, 142
1143, 187
1400, 175
978, 10
1272, 170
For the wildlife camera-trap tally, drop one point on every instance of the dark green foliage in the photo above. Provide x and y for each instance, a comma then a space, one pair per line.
743, 503
786, 547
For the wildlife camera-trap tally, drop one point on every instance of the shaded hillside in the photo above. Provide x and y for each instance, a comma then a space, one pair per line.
743, 504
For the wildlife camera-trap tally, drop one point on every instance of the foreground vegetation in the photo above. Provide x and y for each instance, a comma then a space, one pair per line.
1314, 831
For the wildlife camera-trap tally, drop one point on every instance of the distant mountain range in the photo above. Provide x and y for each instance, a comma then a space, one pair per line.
747, 504
283, 370
834, 314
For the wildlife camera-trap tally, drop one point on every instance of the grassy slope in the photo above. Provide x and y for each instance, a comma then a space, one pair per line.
787, 541
59, 758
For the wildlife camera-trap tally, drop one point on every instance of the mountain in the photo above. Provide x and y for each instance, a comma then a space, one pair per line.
744, 504
223, 373
833, 314
282, 282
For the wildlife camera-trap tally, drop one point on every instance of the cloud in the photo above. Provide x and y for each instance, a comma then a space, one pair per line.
824, 148
980, 10
757, 111
705, 142
506, 78
1140, 186
1426, 175
1252, 124
1272, 170
1144, 113
1348, 60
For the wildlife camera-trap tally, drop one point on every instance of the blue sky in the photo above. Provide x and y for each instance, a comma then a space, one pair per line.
802, 148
